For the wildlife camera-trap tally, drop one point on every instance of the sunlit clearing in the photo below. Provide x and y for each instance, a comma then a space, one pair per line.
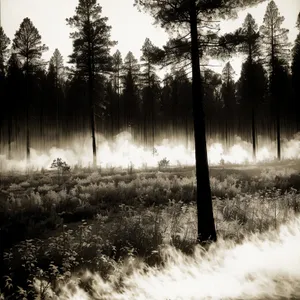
124, 153
265, 266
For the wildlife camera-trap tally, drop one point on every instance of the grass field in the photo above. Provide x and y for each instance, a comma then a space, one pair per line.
119, 223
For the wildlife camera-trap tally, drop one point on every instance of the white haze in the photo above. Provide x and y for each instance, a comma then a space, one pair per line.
264, 266
123, 152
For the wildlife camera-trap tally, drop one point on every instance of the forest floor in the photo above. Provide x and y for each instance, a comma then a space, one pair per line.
55, 225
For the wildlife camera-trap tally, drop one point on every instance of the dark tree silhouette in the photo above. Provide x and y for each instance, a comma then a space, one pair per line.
116, 78
189, 15
252, 91
55, 75
296, 73
16, 106
4, 43
253, 81
169, 13
250, 45
76, 97
57, 65
229, 99
91, 51
111, 116
130, 80
212, 83
166, 103
38, 102
275, 43
28, 46
149, 81
181, 105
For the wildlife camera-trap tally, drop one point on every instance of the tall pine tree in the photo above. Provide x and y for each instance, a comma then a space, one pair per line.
4, 43
296, 73
28, 46
149, 82
276, 50
130, 96
91, 51
116, 78
252, 84
252, 91
189, 15
16, 106
229, 99
55, 78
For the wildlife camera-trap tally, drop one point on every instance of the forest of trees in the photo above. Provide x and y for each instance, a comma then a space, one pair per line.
47, 104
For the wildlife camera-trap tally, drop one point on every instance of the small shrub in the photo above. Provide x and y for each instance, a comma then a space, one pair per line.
60, 165
164, 163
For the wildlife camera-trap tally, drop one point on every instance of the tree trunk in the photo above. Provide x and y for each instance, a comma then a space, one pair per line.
119, 110
57, 112
27, 135
91, 103
9, 134
206, 224
253, 134
275, 97
42, 123
92, 119
27, 115
226, 133
278, 136
152, 119
186, 133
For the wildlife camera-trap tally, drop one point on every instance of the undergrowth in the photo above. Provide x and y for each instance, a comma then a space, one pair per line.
51, 229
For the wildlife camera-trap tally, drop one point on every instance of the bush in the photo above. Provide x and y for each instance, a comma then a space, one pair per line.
164, 163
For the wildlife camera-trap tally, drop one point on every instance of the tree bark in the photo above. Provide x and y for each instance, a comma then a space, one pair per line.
206, 224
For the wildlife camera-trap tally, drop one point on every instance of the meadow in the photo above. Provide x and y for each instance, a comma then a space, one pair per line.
119, 224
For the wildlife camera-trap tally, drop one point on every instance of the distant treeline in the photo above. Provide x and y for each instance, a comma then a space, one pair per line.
46, 104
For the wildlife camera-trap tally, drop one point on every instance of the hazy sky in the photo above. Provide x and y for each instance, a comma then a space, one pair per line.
129, 27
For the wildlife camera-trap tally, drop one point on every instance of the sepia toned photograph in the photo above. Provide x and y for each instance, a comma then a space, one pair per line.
149, 149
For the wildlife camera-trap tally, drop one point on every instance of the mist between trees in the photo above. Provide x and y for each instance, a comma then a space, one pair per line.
47, 104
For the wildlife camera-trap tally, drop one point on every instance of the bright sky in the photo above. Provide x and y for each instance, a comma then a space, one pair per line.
129, 26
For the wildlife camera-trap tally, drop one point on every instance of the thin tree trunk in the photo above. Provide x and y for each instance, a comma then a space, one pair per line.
27, 135
27, 116
226, 133
278, 136
186, 133
91, 102
152, 120
42, 123
9, 134
57, 112
92, 116
119, 95
206, 224
253, 134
